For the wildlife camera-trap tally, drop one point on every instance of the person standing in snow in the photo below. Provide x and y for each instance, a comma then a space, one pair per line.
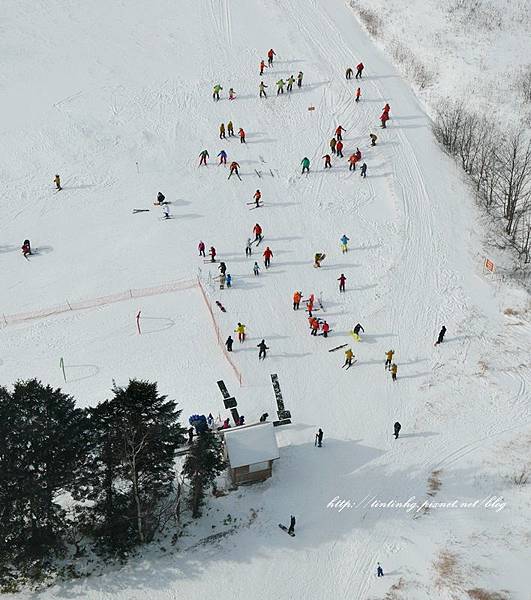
241, 133
394, 371
234, 166
229, 280
358, 94
397, 428
264, 417
248, 249
326, 328
352, 160
222, 131
267, 257
383, 119
319, 438
299, 79
305, 162
344, 243
363, 170
256, 269
201, 248
230, 129
333, 143
373, 137
441, 336
379, 570
290, 82
57, 181
388, 359
216, 91
314, 327
349, 355
203, 156
229, 343
339, 136
262, 353
262, 88
348, 73
262, 67
240, 330
212, 254
222, 157
342, 281
327, 163
257, 230
26, 248
222, 268
280, 86
270, 55
297, 297
232, 94
339, 149
359, 70
257, 197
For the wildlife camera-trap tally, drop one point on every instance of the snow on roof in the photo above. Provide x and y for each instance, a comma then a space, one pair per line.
250, 445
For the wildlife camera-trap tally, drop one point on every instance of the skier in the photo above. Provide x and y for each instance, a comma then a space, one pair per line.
257, 196
309, 308
262, 88
384, 118
387, 108
57, 181
318, 259
299, 79
348, 73
363, 170
262, 354
352, 160
357, 329
339, 149
291, 524
344, 243
358, 153
234, 166
222, 280
358, 94
349, 355
222, 157
394, 370
257, 230
267, 257
326, 328
339, 129
280, 86
314, 327
229, 343
248, 250
203, 156
240, 330
160, 198
241, 133
230, 129
270, 55
290, 82
232, 94
297, 297
222, 131
212, 254
201, 248
305, 162
327, 163
229, 280
264, 417
166, 211
342, 281
373, 139
26, 248
397, 428
222, 268
359, 70
217, 90
256, 269
388, 359
319, 438
379, 570
262, 67
441, 336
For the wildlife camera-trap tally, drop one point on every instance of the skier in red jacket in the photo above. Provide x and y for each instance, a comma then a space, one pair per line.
358, 94
267, 257
339, 149
212, 254
262, 67
339, 129
234, 166
386, 108
314, 327
270, 55
359, 70
327, 163
257, 230
342, 281
257, 197
201, 248
326, 328
241, 133
384, 118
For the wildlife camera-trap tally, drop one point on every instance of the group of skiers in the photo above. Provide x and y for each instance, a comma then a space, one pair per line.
280, 83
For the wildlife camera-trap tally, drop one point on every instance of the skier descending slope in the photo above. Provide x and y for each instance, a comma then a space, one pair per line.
257, 230
222, 157
342, 279
344, 243
305, 162
270, 55
201, 248
327, 163
262, 353
268, 254
441, 336
203, 156
234, 166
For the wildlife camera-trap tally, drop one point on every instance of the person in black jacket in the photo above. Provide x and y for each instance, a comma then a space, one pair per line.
229, 343
263, 348
319, 438
398, 427
441, 335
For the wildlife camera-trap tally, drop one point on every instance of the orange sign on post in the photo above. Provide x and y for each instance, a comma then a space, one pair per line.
489, 265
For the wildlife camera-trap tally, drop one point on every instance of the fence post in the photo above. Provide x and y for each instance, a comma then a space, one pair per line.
62, 366
138, 322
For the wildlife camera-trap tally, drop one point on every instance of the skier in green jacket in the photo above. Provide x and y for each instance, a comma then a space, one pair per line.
305, 164
280, 86
262, 88
290, 82
217, 90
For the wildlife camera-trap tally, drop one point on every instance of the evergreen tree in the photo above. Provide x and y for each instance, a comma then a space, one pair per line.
203, 464
130, 471
42, 445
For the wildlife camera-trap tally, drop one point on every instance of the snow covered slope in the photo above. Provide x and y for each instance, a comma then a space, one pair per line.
116, 97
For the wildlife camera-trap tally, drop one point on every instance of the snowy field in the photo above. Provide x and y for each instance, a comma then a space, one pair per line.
117, 98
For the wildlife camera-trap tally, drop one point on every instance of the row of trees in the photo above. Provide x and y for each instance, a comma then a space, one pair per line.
499, 166
102, 477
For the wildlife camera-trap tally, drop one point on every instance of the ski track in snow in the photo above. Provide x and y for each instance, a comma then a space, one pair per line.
118, 132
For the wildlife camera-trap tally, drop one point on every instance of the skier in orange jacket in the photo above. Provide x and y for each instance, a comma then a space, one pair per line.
297, 297
327, 163
267, 257
339, 129
358, 94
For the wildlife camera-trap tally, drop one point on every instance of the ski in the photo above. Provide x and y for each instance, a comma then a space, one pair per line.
253, 207
222, 308
284, 528
323, 334
271, 172
338, 347
348, 367
258, 173
214, 262
139, 210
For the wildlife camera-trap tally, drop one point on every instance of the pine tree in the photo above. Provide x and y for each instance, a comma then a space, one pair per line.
42, 445
130, 472
203, 464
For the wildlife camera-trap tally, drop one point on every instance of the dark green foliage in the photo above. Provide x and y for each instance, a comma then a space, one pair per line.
203, 464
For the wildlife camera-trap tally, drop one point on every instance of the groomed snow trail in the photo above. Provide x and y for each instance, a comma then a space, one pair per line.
127, 116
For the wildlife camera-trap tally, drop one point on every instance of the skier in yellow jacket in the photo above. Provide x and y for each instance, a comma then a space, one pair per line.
240, 330
389, 359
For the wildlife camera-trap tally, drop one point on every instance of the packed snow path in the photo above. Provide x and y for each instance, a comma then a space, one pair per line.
120, 104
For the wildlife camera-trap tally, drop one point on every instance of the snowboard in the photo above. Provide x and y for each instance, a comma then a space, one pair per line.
338, 347
284, 528
222, 308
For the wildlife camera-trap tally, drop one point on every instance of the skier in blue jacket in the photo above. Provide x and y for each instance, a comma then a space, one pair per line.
344, 243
